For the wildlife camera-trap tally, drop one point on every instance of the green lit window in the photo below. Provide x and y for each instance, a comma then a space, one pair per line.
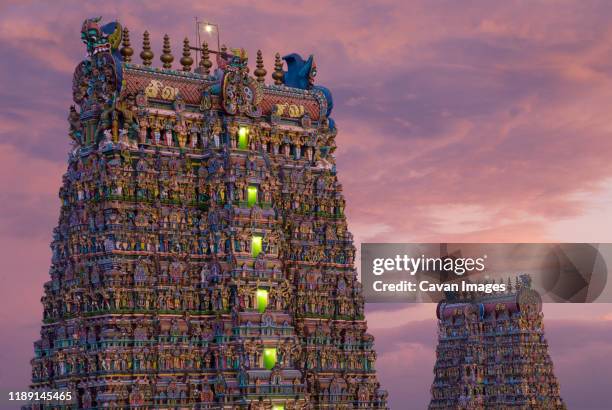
255, 246
262, 300
251, 196
269, 358
278, 407
243, 137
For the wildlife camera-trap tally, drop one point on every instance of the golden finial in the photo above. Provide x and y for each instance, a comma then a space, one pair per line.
260, 72
146, 55
126, 51
205, 63
167, 58
186, 60
278, 74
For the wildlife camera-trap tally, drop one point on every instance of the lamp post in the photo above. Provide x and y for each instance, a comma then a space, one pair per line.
208, 28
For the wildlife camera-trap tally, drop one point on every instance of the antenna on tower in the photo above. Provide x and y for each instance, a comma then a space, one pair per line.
197, 39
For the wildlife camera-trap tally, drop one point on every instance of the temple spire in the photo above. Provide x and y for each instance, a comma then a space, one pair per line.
126, 51
205, 63
186, 60
260, 72
166, 58
147, 54
278, 74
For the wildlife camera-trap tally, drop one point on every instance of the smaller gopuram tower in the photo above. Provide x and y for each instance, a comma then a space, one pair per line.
492, 353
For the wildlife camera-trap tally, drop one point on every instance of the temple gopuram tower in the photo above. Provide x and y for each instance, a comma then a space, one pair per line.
492, 353
202, 258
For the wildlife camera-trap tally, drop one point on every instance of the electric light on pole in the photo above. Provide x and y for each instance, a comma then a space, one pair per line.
208, 28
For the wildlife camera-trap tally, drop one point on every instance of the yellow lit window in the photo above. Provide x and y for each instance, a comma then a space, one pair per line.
255, 246
262, 300
269, 358
251, 196
243, 137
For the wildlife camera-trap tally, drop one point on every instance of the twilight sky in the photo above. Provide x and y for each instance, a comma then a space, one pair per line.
458, 121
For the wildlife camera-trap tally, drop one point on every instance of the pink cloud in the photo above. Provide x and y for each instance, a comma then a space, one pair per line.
483, 122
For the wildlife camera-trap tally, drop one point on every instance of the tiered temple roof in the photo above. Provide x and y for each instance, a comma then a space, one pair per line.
202, 257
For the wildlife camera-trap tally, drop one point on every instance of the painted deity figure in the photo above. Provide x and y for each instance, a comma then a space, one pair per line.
181, 135
193, 135
168, 134
156, 134
216, 134
143, 124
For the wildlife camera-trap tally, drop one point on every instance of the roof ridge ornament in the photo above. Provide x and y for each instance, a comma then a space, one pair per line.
186, 60
147, 54
205, 63
278, 74
166, 58
126, 51
260, 72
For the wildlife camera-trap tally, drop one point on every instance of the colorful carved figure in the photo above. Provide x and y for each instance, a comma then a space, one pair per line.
100, 39
301, 74
240, 93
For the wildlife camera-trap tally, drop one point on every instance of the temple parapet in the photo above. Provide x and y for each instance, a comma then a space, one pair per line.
163, 87
136, 104
517, 297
